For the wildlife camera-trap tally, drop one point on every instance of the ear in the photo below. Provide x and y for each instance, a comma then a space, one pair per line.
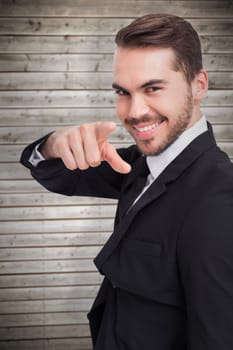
200, 85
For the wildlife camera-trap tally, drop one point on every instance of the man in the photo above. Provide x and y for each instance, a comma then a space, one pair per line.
168, 265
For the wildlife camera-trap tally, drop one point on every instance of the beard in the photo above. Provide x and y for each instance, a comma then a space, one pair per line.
178, 124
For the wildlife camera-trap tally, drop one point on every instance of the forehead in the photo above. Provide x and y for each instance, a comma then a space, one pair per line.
145, 62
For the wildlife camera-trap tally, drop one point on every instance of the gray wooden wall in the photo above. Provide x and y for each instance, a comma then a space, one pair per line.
55, 69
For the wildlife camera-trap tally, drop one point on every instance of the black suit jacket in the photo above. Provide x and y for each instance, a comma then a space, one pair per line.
168, 265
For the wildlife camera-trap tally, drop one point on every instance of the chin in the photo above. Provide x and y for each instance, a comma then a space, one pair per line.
149, 148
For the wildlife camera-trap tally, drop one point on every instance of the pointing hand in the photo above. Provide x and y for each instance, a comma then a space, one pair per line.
84, 146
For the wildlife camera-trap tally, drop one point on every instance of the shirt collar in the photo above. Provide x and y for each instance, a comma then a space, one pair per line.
159, 162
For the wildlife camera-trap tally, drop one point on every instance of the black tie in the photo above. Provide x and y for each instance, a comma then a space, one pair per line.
135, 186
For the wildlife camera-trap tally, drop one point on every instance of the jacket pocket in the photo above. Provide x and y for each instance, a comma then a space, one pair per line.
135, 266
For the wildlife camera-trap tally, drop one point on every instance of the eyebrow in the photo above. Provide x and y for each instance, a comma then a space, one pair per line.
154, 82
146, 84
118, 87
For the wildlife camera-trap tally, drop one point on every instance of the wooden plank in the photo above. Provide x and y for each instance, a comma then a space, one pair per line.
36, 306
43, 319
36, 293
58, 117
69, 63
58, 81
42, 332
218, 115
57, 226
55, 239
216, 44
220, 80
58, 212
48, 253
131, 8
49, 199
19, 172
219, 62
83, 99
91, 44
88, 63
85, 81
10, 153
76, 26
62, 99
59, 266
49, 280
92, 26
218, 98
49, 332
56, 44
48, 344
21, 186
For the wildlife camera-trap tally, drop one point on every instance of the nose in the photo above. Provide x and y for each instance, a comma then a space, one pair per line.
138, 107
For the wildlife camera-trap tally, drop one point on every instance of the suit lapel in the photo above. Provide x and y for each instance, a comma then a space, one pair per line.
200, 145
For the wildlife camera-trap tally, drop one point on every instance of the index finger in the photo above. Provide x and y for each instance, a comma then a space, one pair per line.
103, 130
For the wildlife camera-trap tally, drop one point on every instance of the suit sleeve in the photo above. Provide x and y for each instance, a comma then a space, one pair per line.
100, 181
205, 252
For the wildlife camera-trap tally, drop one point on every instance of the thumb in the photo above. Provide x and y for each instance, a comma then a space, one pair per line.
115, 161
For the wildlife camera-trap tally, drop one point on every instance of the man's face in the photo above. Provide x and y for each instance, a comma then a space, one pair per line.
154, 102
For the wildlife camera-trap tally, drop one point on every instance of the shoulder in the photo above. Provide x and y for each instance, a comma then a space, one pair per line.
210, 176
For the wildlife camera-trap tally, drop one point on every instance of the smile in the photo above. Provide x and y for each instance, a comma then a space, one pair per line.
148, 127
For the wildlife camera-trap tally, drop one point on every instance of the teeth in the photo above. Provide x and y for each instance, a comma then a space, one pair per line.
148, 127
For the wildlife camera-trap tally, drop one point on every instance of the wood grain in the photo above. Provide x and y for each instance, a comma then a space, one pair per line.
55, 70
131, 8
94, 62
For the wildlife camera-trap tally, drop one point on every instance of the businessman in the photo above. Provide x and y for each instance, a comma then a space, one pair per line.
168, 264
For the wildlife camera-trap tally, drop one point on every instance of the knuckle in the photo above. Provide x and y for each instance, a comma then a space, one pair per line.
84, 129
59, 145
73, 135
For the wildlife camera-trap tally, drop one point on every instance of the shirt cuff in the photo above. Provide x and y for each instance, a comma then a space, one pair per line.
36, 157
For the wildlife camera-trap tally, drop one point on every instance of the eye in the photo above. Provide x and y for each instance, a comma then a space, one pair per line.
121, 92
153, 89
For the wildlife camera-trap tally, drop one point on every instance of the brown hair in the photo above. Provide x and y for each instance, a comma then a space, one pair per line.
165, 31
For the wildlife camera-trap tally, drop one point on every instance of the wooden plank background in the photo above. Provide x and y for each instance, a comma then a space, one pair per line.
55, 70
